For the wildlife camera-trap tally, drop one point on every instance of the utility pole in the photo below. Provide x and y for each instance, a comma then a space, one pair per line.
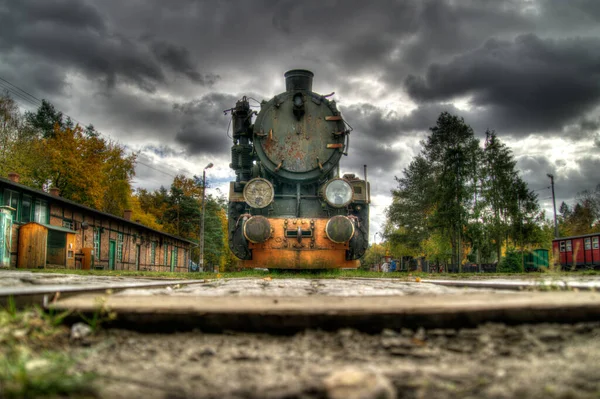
377, 257
553, 204
201, 255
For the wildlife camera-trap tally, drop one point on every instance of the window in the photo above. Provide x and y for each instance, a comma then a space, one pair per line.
595, 242
569, 248
166, 255
11, 198
26, 209
588, 243
67, 224
120, 246
153, 253
562, 246
41, 212
97, 243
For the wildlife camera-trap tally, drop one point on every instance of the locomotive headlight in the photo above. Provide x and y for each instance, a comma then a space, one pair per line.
338, 193
259, 193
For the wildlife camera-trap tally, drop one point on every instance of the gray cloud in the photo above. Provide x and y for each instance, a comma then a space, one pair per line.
529, 84
529, 66
178, 59
75, 36
203, 125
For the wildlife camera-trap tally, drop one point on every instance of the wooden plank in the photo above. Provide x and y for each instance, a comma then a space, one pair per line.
366, 313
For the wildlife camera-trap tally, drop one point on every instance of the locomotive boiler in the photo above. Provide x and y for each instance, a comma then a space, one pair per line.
288, 206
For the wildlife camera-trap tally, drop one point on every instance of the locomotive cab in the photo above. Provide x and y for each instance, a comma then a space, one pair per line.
288, 207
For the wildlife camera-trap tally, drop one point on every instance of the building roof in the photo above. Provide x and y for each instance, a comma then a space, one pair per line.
54, 198
579, 236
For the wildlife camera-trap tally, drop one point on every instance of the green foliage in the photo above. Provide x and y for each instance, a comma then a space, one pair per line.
584, 217
512, 262
30, 367
47, 149
372, 256
46, 120
457, 197
179, 210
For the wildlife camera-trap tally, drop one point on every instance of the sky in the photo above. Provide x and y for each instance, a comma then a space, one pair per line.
156, 75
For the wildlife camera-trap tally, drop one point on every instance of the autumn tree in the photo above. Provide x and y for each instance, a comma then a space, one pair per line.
48, 149
583, 217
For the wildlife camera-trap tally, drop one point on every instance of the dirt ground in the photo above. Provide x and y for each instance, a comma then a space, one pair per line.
492, 361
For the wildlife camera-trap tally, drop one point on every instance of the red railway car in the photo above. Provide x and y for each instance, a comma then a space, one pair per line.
578, 251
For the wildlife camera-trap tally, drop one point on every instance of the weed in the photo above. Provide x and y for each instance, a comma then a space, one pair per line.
52, 317
101, 315
25, 374
27, 367
310, 274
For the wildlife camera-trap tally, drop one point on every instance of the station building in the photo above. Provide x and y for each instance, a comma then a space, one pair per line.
43, 230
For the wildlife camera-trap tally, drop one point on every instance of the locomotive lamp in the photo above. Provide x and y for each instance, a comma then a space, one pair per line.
338, 193
259, 193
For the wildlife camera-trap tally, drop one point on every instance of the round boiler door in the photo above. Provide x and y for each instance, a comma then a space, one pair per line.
257, 229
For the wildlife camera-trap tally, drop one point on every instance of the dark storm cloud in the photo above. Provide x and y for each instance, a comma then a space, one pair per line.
178, 59
528, 84
134, 117
568, 181
587, 176
75, 36
203, 124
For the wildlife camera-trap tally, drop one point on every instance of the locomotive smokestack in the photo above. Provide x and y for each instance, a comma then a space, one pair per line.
298, 79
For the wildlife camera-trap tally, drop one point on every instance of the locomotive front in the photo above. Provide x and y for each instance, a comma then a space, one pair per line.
288, 207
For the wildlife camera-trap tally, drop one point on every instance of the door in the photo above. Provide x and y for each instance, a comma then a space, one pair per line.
173, 259
137, 257
112, 249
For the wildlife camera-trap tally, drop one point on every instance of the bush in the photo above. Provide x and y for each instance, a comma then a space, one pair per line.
511, 263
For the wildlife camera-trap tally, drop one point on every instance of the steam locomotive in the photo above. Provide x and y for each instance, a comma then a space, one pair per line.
288, 207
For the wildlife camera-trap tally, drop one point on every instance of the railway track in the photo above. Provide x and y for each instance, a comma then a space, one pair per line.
174, 304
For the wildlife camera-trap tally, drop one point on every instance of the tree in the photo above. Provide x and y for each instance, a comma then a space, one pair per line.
47, 149
412, 205
509, 207
45, 119
584, 217
457, 195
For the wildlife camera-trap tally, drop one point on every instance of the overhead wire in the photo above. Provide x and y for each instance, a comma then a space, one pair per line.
21, 90
33, 100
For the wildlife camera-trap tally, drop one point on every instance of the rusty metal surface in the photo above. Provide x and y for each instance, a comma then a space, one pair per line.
314, 251
298, 145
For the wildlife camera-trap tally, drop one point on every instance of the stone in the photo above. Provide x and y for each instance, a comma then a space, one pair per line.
80, 331
354, 383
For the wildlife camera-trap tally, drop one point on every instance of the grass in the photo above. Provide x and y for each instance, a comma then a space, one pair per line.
324, 274
31, 363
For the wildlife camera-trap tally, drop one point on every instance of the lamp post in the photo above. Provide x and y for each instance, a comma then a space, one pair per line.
553, 204
201, 255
